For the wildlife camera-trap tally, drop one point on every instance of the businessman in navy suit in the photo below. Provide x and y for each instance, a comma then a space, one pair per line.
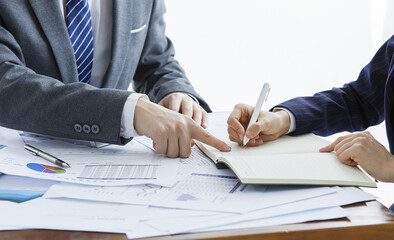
354, 107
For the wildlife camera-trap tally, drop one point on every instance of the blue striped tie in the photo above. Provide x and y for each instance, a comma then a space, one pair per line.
80, 30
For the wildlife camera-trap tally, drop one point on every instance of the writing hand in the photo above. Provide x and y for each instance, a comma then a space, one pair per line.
268, 127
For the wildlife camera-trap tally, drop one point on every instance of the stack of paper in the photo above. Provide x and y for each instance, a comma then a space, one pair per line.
133, 190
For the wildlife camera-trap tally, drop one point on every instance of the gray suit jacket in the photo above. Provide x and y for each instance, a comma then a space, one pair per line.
39, 88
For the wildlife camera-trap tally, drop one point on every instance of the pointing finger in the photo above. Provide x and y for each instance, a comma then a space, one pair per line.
201, 135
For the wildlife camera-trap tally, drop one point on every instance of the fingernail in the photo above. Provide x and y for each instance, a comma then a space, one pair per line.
248, 133
226, 147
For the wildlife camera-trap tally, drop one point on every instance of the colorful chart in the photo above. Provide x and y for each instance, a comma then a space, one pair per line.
45, 168
186, 197
2, 146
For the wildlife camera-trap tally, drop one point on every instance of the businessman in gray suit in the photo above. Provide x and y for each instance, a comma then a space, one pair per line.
66, 65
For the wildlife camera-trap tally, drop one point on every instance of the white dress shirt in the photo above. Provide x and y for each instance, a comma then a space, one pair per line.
102, 18
292, 119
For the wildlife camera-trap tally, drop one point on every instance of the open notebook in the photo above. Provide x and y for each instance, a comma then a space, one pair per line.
288, 160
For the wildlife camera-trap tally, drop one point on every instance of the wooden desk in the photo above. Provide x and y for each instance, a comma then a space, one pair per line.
367, 221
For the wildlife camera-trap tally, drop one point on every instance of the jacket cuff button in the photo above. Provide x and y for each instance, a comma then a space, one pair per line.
78, 128
86, 128
95, 129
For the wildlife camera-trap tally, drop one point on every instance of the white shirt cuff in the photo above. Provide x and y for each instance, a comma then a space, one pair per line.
292, 119
127, 121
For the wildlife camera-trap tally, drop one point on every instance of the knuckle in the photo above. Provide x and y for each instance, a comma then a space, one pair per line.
160, 132
232, 138
171, 155
358, 146
179, 124
363, 140
266, 124
186, 154
360, 134
336, 148
206, 134
276, 136
174, 95
159, 148
341, 138
239, 105
366, 134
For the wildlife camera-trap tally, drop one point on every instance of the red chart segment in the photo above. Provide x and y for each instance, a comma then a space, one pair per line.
45, 168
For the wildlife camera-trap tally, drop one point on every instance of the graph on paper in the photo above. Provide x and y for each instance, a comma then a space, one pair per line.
45, 168
197, 191
92, 163
197, 158
207, 187
119, 172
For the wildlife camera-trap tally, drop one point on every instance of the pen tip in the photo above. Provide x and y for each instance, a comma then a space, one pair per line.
245, 140
66, 165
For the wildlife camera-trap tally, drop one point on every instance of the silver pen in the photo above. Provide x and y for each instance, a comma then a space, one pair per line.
263, 96
46, 156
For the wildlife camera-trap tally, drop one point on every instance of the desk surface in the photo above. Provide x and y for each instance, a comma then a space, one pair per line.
367, 221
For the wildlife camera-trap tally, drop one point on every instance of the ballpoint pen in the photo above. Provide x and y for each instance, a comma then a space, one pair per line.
263, 96
46, 156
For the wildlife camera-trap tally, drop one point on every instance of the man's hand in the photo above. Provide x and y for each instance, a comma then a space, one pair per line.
183, 103
268, 127
172, 133
363, 149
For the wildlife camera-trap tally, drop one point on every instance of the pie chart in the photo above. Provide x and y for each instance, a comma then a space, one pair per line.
45, 168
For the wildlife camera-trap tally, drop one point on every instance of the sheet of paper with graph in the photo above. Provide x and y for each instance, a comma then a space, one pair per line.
107, 165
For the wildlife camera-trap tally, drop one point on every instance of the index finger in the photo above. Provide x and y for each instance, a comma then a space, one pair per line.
331, 147
203, 136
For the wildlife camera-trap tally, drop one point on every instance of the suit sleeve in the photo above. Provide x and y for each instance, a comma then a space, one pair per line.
158, 73
354, 107
41, 104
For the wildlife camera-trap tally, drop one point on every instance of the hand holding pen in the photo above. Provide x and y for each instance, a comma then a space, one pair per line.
250, 126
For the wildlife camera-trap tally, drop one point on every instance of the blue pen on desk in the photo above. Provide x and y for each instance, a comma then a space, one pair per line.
263, 96
46, 156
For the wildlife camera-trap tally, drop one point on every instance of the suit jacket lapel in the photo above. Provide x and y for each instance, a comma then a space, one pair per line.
53, 24
122, 19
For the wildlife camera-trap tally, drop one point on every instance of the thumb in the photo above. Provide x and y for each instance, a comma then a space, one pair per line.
253, 131
256, 128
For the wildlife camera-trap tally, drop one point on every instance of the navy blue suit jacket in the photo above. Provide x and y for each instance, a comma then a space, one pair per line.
354, 107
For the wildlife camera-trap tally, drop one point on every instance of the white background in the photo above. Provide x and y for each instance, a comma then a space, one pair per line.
229, 48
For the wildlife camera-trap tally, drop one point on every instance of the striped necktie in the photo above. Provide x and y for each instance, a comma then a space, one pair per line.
80, 30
